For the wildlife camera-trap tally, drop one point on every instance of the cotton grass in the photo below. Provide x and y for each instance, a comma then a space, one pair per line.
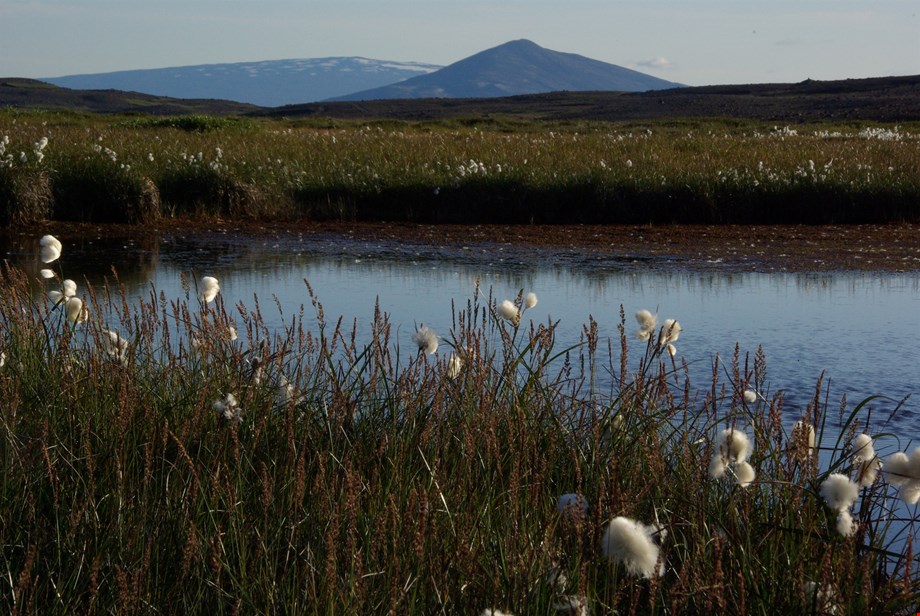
209, 288
731, 453
647, 323
228, 408
631, 544
454, 366
426, 339
530, 300
75, 310
508, 311
50, 249
839, 493
114, 346
903, 472
864, 460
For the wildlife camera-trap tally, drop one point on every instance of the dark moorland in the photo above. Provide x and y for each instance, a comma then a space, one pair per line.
21, 93
890, 99
884, 99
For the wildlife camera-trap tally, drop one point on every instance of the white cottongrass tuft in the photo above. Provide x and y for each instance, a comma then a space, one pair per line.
670, 332
426, 339
862, 448
46, 273
556, 579
845, 524
671, 349
734, 445
508, 311
647, 323
50, 249
802, 440
493, 612
865, 460
530, 300
256, 370
229, 409
904, 472
717, 467
2, 359
867, 472
839, 492
750, 396
630, 543
745, 474
824, 598
68, 289
287, 393
454, 366
732, 451
75, 311
114, 346
209, 288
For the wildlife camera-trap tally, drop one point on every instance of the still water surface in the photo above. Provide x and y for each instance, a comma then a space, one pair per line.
859, 328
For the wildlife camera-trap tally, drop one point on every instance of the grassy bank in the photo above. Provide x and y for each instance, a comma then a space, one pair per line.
174, 455
103, 169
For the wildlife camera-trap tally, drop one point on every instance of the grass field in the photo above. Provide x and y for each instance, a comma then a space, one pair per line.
67, 166
174, 455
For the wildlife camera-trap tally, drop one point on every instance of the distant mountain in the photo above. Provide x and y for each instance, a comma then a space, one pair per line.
516, 67
268, 84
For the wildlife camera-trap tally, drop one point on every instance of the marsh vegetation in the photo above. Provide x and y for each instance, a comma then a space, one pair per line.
71, 167
175, 454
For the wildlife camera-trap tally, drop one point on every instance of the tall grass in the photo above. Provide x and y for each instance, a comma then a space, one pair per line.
694, 172
355, 476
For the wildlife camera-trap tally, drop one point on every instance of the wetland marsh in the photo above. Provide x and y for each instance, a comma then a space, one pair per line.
198, 431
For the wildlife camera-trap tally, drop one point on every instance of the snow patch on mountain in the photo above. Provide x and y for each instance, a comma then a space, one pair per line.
269, 83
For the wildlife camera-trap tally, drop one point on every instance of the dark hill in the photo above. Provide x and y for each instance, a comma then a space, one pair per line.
30, 93
881, 99
516, 67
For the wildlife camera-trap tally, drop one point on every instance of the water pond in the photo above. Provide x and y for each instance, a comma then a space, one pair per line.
859, 328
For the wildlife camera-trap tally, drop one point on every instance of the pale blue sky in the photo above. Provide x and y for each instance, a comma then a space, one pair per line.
694, 42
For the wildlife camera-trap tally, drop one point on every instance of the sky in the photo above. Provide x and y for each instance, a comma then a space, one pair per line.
694, 42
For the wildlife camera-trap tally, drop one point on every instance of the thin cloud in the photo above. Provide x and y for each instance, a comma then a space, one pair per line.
659, 63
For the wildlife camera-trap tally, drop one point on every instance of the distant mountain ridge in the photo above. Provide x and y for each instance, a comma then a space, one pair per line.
513, 68
269, 83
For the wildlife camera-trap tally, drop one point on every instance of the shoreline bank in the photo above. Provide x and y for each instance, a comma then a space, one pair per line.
763, 248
